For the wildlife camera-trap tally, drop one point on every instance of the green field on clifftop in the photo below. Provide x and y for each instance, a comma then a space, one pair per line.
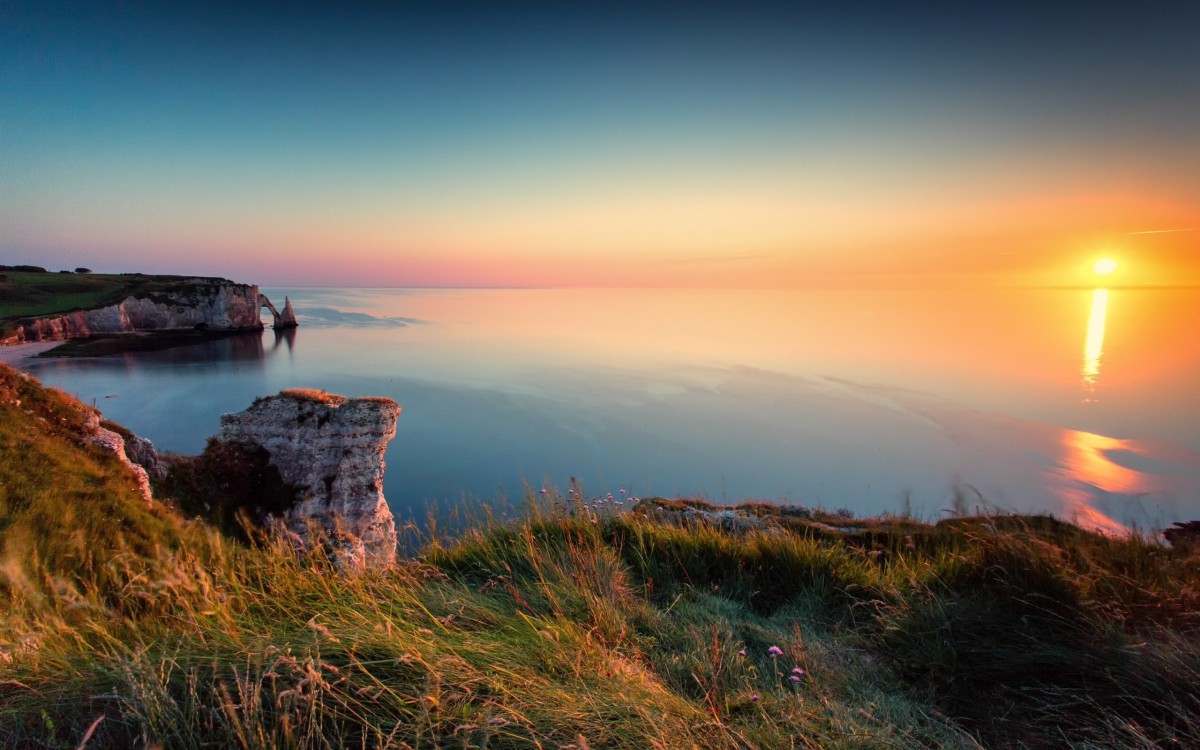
27, 295
125, 625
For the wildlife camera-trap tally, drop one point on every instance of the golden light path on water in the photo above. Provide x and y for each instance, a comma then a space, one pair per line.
1084, 459
1086, 463
1093, 347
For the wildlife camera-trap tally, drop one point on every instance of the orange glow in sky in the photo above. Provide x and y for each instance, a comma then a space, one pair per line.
572, 145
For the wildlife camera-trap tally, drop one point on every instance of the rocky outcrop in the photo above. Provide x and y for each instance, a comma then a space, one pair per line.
285, 319
330, 449
691, 513
137, 453
1184, 534
142, 452
190, 304
749, 517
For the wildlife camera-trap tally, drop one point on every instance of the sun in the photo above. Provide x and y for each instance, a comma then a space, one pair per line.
1104, 266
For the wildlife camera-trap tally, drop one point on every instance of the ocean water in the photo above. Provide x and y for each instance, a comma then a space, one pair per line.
1082, 403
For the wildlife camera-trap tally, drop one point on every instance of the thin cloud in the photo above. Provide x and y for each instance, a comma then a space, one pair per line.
1164, 231
710, 259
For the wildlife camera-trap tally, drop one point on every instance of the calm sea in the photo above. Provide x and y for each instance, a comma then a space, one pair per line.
1084, 403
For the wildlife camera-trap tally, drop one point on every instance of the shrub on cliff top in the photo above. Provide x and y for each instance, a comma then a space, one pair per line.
232, 487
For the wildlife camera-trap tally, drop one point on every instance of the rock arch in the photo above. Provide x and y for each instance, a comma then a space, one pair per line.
285, 319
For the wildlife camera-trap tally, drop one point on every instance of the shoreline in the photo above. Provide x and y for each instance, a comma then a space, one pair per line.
18, 355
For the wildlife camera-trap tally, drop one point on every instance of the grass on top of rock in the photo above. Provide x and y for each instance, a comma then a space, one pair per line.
28, 295
312, 394
127, 626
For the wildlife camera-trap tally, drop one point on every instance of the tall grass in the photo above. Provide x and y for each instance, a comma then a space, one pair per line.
537, 636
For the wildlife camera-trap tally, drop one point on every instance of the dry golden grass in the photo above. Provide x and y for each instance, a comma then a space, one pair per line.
312, 394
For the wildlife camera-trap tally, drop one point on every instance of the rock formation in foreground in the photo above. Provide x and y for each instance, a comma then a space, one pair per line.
187, 304
137, 453
1183, 534
330, 448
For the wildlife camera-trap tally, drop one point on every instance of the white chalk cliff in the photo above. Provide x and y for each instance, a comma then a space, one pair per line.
206, 304
330, 448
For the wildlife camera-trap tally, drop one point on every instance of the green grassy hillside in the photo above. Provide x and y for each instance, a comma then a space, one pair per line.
70, 514
125, 625
26, 295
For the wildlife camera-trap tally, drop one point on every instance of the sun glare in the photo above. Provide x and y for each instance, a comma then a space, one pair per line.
1104, 266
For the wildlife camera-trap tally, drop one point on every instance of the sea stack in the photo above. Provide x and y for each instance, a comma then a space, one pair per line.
330, 449
287, 318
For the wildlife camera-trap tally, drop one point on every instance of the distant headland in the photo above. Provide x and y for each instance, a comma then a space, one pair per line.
40, 305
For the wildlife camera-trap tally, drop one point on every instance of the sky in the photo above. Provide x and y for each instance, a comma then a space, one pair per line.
604, 144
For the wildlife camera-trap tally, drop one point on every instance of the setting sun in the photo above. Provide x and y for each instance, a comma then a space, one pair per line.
1104, 266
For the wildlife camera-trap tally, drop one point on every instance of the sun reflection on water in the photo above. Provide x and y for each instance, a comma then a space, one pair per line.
1087, 464
1093, 347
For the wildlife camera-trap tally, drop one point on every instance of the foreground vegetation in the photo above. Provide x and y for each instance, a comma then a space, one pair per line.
579, 626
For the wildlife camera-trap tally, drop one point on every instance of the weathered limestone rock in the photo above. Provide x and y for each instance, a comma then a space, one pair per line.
143, 453
208, 304
285, 319
330, 448
137, 453
689, 513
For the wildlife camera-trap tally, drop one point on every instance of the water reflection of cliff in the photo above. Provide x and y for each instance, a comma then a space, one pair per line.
285, 336
240, 348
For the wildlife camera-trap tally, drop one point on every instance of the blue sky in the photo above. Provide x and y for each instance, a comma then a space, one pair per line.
528, 143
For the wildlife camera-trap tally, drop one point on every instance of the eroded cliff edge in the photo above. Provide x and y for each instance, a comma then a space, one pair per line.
330, 449
208, 304
299, 462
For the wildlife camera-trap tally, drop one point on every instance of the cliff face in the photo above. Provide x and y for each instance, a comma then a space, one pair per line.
137, 453
331, 450
209, 304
